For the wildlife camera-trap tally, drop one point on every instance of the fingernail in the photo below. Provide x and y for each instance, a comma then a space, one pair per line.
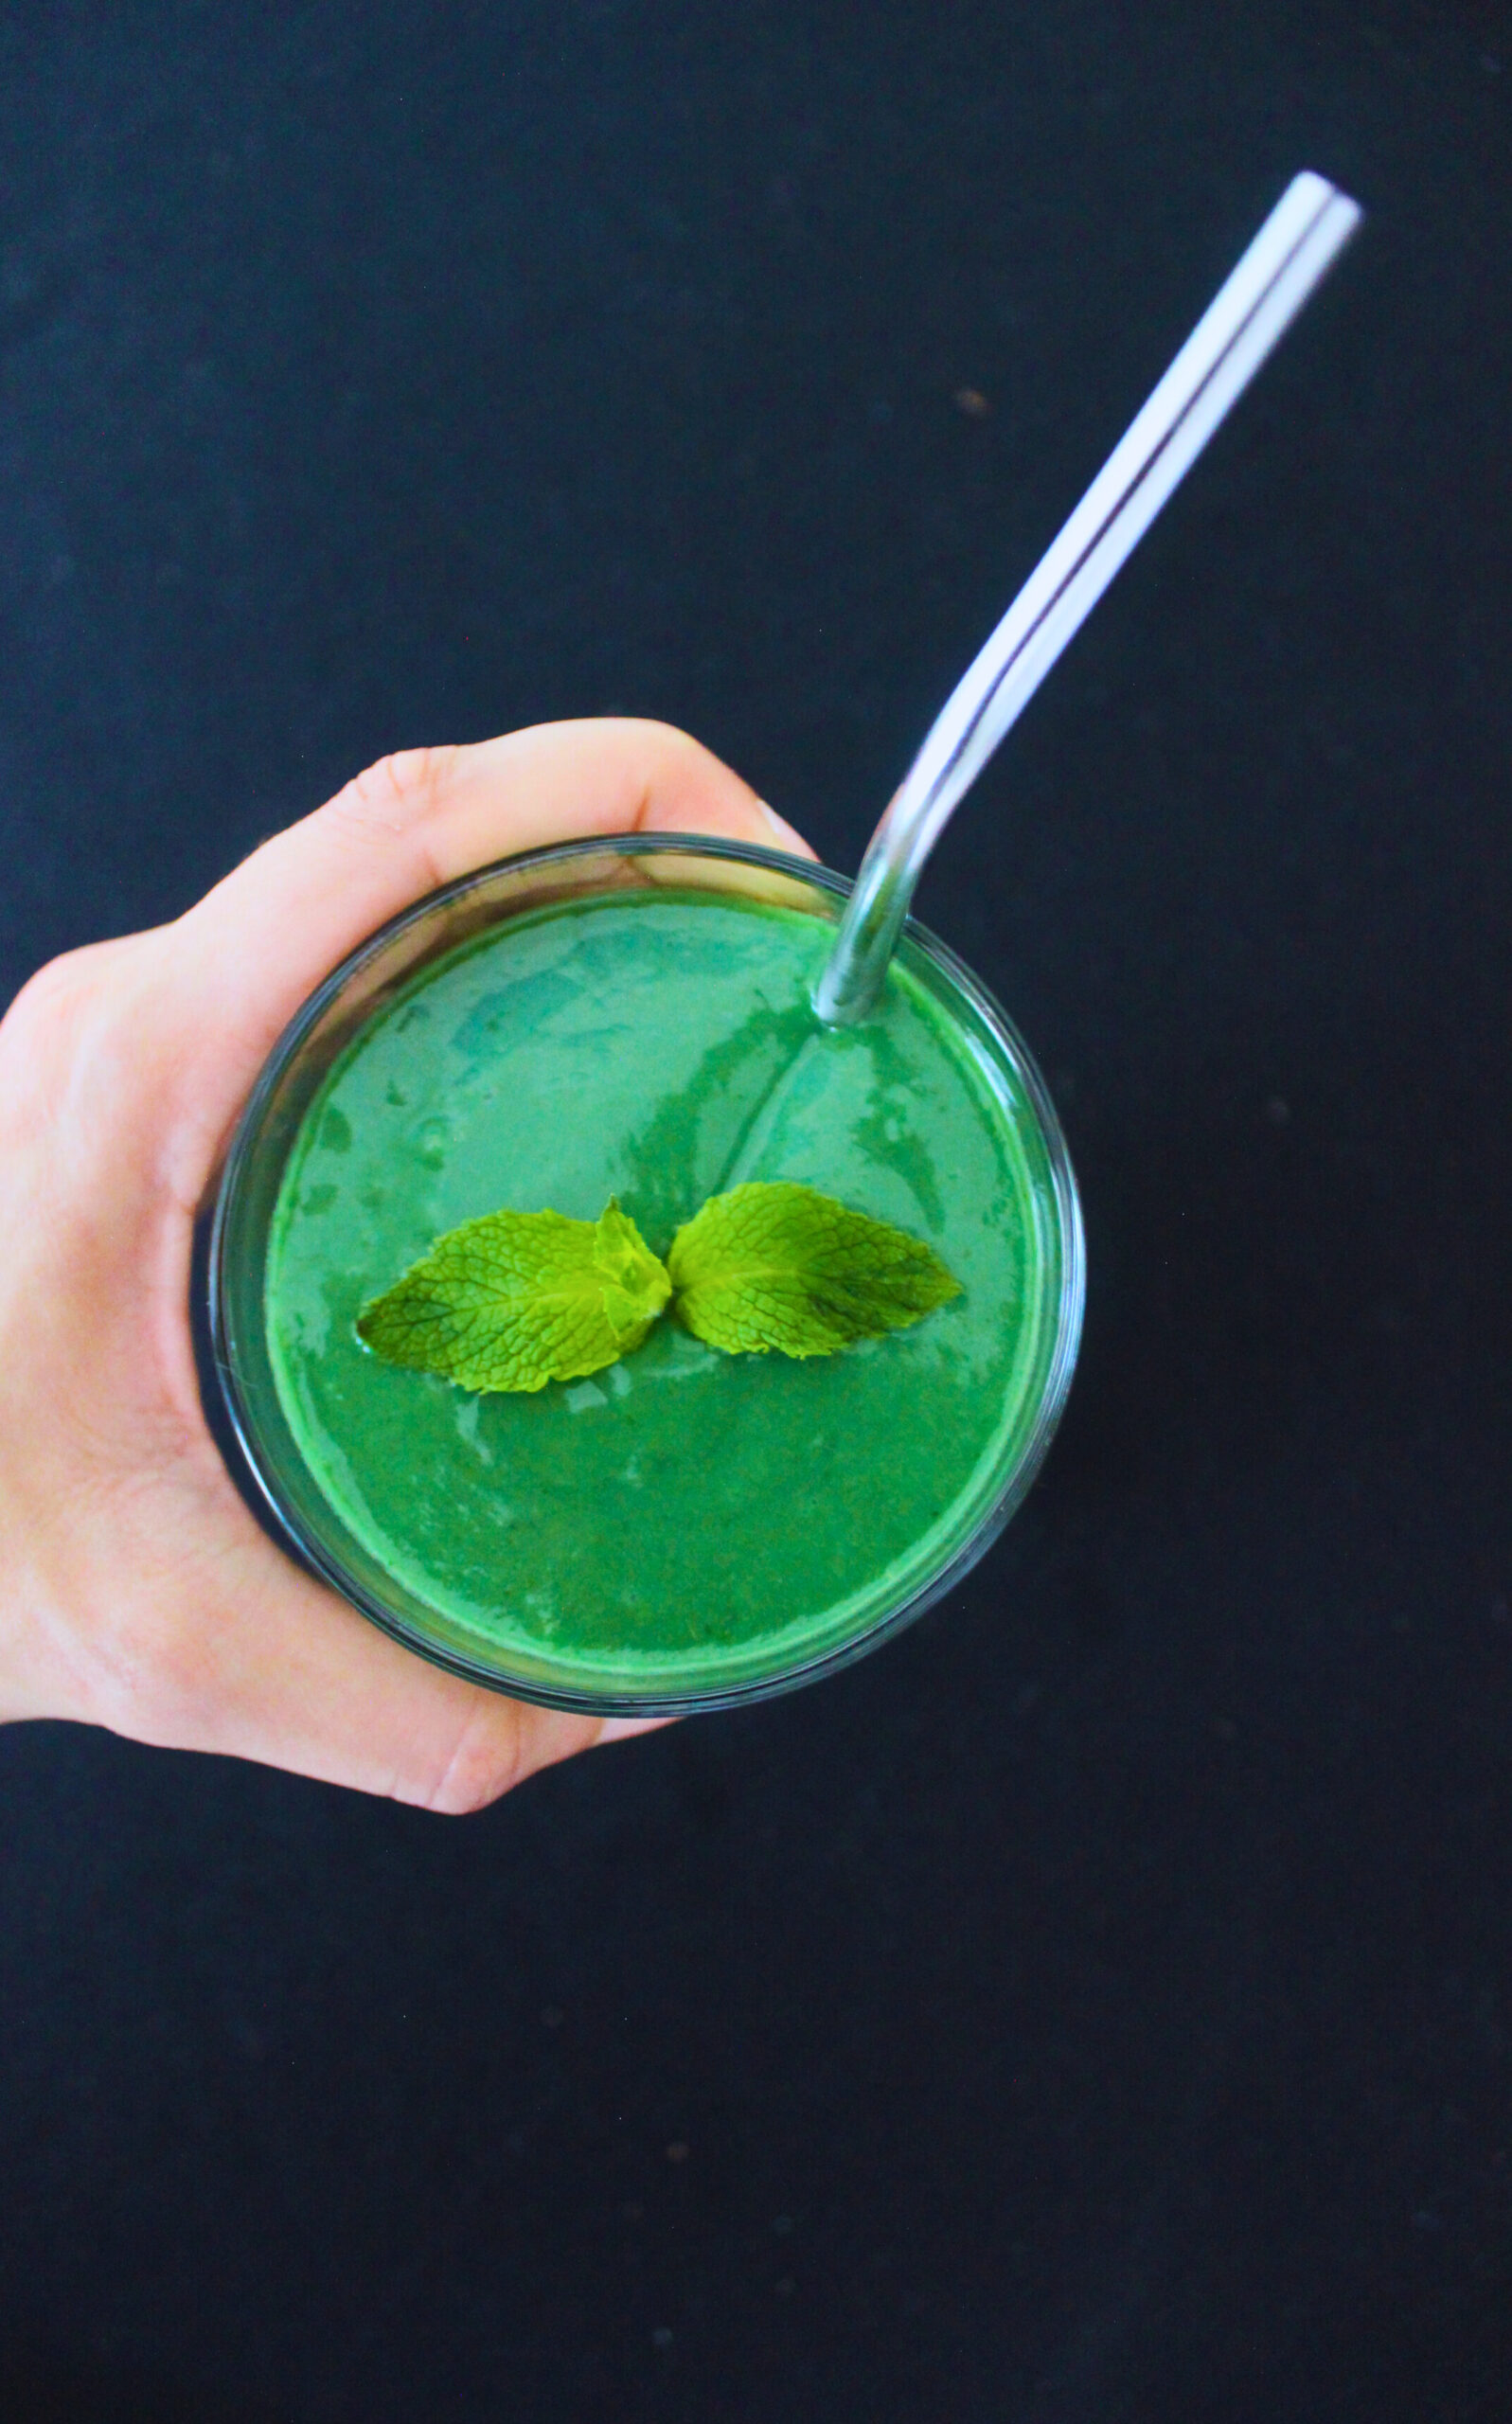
783, 833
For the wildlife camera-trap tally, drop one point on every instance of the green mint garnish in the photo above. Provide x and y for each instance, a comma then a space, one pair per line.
519, 1298
775, 1265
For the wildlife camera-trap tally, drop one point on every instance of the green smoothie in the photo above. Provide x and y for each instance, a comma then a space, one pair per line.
688, 1520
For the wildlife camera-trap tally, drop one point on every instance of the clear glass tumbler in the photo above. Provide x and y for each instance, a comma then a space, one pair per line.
324, 1522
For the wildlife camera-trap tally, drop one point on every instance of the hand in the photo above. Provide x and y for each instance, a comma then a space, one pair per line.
136, 1592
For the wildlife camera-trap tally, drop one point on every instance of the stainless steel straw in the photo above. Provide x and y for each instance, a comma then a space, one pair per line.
1308, 227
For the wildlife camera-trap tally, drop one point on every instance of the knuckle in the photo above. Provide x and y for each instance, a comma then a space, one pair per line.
485, 1761
670, 748
654, 732
43, 1014
398, 791
51, 1033
499, 1746
82, 1059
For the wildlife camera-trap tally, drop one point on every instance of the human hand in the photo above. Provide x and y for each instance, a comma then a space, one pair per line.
136, 1590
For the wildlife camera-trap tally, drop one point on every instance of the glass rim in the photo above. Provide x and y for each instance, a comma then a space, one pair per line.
319, 1556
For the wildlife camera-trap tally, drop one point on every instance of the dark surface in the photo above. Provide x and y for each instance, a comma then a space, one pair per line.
1098, 2004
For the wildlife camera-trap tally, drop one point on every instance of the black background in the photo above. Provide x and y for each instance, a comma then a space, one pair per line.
1098, 2004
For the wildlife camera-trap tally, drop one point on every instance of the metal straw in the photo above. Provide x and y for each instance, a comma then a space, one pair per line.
1307, 229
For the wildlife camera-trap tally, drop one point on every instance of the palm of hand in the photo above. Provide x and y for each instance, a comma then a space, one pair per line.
139, 1591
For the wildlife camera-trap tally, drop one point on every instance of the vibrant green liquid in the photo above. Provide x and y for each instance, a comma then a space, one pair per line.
687, 1517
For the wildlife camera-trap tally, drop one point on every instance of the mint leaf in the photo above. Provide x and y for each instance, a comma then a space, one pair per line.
775, 1265
517, 1299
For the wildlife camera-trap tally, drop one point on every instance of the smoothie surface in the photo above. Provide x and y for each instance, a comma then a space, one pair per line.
686, 1515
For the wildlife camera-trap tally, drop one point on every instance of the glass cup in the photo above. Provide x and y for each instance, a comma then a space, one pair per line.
360, 988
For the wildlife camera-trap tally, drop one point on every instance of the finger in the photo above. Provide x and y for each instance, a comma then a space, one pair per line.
263, 1663
247, 955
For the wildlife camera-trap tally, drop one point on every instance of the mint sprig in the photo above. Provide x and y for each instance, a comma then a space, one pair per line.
775, 1265
516, 1299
